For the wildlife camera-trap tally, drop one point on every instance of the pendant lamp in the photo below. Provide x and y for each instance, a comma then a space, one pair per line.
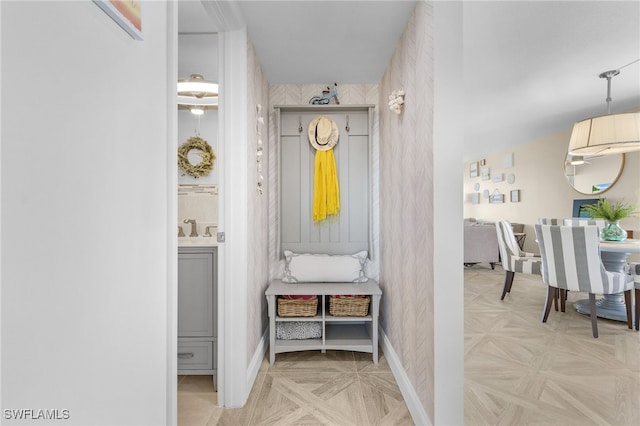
197, 94
606, 134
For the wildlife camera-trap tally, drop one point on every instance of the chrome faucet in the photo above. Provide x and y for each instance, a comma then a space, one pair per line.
193, 233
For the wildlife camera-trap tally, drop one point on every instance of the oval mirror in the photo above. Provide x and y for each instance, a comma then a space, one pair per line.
593, 175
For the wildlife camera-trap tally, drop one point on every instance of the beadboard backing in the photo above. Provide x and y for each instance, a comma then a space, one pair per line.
349, 231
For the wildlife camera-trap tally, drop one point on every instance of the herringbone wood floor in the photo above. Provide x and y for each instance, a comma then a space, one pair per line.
303, 388
518, 371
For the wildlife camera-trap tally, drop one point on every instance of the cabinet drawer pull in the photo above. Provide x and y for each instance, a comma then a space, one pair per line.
185, 355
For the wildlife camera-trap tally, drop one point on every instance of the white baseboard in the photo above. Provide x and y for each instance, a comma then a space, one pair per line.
418, 414
256, 360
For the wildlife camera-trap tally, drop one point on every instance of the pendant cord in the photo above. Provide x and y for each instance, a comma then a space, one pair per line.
609, 75
630, 63
197, 129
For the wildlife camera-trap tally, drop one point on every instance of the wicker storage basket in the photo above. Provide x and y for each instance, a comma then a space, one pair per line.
298, 330
297, 307
349, 306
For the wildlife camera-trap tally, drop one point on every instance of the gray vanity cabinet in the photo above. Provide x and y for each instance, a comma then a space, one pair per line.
197, 310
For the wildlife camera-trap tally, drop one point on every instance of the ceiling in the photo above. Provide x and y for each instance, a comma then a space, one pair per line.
530, 67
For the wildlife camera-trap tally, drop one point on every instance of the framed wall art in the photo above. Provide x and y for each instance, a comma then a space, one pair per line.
507, 160
515, 196
485, 173
473, 169
126, 13
496, 197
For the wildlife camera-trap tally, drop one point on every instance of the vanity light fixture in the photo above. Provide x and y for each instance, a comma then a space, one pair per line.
606, 134
196, 110
197, 94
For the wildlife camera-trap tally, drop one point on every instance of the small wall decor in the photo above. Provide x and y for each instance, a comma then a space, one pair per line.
499, 177
259, 124
475, 198
515, 196
326, 97
485, 193
511, 178
127, 14
396, 101
203, 150
496, 197
476, 187
473, 169
485, 173
507, 161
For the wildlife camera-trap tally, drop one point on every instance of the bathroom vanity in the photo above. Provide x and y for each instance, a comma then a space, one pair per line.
197, 310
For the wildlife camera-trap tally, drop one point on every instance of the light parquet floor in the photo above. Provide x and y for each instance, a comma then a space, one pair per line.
303, 388
520, 371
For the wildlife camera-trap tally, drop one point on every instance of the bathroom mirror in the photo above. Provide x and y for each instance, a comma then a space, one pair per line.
595, 175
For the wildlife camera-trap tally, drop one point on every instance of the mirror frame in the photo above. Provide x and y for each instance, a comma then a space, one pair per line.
613, 182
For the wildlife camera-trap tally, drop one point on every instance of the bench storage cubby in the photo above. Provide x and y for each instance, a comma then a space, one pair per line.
348, 332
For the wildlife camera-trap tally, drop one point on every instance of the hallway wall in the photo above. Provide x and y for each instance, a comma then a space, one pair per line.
88, 163
258, 204
406, 199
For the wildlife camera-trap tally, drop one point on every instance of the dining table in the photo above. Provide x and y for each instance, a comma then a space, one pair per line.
614, 255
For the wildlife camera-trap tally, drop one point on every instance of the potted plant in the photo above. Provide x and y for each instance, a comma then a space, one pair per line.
612, 213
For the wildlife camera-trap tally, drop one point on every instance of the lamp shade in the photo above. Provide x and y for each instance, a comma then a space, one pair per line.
607, 134
197, 92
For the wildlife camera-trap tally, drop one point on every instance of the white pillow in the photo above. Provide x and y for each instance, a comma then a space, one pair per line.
328, 268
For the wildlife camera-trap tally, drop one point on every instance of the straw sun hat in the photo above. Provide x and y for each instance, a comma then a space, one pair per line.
323, 133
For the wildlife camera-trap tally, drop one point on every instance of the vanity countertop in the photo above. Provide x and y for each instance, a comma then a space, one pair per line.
197, 241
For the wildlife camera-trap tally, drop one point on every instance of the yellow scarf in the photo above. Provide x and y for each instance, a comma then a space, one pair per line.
326, 191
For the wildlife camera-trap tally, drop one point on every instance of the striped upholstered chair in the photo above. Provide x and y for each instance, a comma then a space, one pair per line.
634, 269
571, 261
512, 257
550, 221
600, 223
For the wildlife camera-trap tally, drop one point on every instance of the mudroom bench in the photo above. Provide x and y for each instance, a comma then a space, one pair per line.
350, 333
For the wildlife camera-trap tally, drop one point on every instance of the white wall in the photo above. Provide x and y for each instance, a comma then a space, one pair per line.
448, 137
87, 274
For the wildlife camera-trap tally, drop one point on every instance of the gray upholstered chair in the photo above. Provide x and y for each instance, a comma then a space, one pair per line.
571, 261
512, 257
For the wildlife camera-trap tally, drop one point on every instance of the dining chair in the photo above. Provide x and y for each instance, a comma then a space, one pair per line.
550, 221
634, 269
571, 261
600, 223
513, 258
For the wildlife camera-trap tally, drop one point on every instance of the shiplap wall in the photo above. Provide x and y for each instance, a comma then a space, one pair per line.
349, 231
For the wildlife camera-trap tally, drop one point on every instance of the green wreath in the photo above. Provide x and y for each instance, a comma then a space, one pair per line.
205, 166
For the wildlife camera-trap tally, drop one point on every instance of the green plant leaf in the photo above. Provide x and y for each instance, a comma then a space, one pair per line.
604, 209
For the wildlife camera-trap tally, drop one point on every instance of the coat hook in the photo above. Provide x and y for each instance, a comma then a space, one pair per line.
299, 124
347, 128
